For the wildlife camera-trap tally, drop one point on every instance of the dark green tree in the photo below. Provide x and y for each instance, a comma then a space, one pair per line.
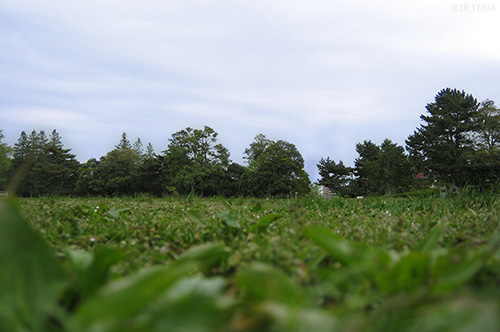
365, 169
55, 169
336, 177
275, 168
90, 180
392, 169
116, 173
5, 161
445, 140
27, 152
488, 127
231, 180
380, 170
119, 167
150, 173
194, 162
44, 166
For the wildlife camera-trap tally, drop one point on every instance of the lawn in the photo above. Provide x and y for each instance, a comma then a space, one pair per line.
213, 264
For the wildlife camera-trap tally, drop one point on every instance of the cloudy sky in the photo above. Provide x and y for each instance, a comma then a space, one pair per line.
321, 74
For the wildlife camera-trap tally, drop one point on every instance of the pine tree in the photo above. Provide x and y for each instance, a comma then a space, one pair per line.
445, 140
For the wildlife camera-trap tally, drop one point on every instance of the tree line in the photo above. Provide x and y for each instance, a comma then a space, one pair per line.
458, 144
193, 163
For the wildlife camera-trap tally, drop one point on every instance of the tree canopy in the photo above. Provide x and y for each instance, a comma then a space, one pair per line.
458, 143
275, 168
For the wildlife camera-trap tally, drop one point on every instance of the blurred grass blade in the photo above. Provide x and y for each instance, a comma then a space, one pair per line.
193, 304
262, 282
31, 277
124, 299
197, 217
339, 249
92, 271
203, 256
228, 218
432, 239
409, 273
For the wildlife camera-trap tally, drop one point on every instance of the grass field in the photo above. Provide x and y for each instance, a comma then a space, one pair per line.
192, 264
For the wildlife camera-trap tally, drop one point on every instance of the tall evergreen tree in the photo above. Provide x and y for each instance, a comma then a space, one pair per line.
150, 173
55, 169
336, 177
392, 169
445, 140
365, 169
118, 169
44, 165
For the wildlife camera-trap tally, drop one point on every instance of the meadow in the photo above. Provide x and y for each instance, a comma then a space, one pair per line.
421, 263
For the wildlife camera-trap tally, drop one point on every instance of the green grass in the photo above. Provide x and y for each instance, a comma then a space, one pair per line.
419, 263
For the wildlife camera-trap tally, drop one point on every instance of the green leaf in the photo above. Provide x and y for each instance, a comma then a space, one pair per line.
339, 249
127, 298
193, 304
203, 256
124, 299
262, 282
410, 272
31, 277
114, 214
228, 218
432, 239
92, 271
197, 217
267, 220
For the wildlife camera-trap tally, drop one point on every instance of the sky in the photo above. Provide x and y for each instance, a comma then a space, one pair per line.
323, 75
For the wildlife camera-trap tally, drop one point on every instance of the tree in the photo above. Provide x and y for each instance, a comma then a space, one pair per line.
380, 170
116, 173
5, 162
444, 141
27, 152
150, 173
365, 169
90, 180
488, 126
275, 168
55, 169
119, 167
194, 162
231, 181
335, 177
393, 171
44, 165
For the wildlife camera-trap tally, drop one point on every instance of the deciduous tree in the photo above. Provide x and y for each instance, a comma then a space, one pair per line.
194, 162
275, 168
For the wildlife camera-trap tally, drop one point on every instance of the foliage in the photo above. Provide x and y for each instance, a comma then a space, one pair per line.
488, 126
275, 168
336, 177
446, 138
44, 165
378, 170
194, 162
395, 264
5, 162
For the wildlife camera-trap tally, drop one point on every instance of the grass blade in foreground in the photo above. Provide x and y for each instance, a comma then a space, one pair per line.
31, 277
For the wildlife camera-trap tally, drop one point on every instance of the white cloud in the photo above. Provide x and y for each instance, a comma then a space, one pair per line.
323, 74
